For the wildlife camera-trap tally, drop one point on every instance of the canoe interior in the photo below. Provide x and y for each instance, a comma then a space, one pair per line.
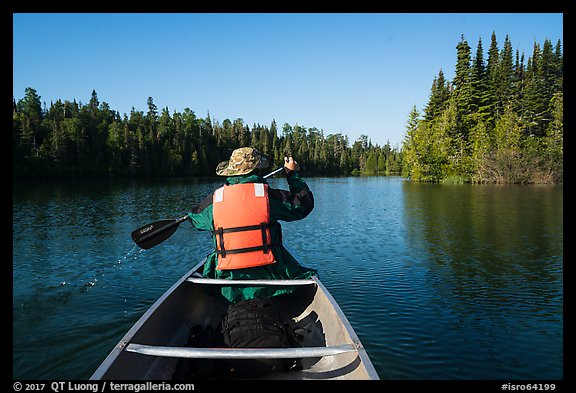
189, 306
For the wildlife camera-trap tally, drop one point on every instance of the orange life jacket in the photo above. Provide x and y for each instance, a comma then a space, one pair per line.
242, 226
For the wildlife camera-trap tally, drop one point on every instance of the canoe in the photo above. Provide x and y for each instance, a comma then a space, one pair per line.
157, 346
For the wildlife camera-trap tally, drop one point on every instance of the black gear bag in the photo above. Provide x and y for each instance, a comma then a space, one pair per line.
257, 324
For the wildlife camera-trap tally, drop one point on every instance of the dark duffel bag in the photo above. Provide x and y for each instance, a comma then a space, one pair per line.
257, 324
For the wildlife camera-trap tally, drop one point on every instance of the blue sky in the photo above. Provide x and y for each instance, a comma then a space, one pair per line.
349, 73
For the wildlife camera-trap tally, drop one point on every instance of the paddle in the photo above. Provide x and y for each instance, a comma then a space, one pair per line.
151, 235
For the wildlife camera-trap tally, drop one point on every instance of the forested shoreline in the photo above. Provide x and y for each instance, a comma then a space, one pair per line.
70, 139
498, 121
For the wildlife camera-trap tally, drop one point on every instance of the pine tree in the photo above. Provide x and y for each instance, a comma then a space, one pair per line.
30, 109
439, 95
371, 162
94, 103
481, 105
547, 74
534, 103
411, 164
518, 82
558, 67
152, 114
503, 78
383, 155
241, 133
492, 67
463, 88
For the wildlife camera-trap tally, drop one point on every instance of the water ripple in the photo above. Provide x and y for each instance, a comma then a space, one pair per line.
438, 282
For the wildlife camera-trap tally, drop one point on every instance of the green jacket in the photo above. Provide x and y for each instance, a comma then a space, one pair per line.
291, 205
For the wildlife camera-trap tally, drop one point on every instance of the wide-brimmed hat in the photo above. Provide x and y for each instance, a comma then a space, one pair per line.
242, 161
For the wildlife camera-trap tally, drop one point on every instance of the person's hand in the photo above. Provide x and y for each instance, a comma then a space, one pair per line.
290, 165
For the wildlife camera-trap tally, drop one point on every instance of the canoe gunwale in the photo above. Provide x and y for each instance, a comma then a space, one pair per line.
365, 359
120, 347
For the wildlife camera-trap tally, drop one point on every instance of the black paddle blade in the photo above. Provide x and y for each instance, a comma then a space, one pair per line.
153, 234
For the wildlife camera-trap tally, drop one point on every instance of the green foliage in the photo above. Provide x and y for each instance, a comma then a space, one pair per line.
72, 140
502, 122
438, 96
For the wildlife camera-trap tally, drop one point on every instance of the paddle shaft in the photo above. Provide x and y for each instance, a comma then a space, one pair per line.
273, 172
155, 233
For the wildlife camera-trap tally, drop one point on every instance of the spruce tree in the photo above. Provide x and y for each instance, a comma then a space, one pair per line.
439, 95
558, 67
30, 109
492, 76
504, 75
463, 88
534, 103
481, 105
411, 163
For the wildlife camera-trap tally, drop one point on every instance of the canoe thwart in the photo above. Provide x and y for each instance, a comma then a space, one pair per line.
217, 281
240, 353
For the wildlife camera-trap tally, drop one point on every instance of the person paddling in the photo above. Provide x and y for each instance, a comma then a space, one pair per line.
243, 216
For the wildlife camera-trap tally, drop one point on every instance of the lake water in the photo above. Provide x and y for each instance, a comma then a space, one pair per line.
439, 281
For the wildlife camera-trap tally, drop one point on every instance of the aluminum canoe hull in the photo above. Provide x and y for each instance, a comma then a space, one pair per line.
155, 347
